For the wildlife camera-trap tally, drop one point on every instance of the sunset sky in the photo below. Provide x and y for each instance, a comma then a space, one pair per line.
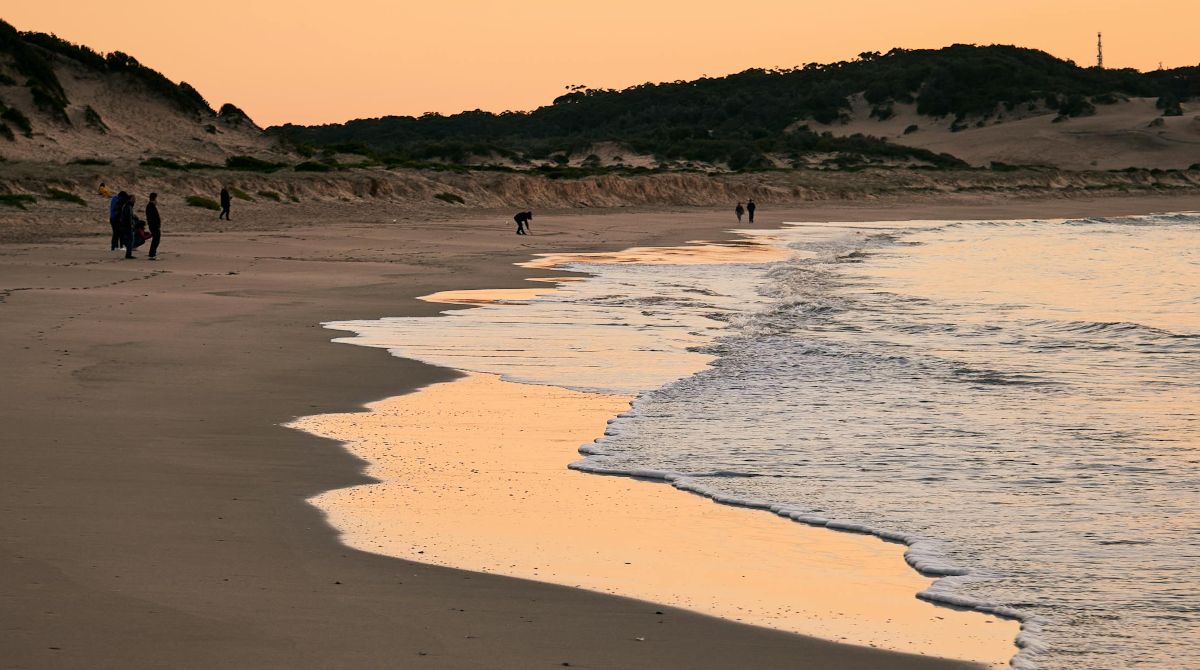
314, 62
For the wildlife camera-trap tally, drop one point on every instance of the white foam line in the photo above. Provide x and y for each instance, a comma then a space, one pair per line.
920, 554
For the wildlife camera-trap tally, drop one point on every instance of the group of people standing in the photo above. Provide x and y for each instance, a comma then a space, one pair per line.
748, 209
128, 231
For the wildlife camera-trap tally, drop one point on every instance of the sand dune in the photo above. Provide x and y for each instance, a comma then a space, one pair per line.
134, 123
1132, 133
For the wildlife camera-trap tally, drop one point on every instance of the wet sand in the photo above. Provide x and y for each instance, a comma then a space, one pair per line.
152, 507
473, 475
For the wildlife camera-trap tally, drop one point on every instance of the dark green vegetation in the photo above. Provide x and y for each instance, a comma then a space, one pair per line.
92, 118
450, 198
18, 200
240, 194
203, 202
252, 164
91, 161
32, 56
232, 114
742, 119
13, 116
270, 195
65, 196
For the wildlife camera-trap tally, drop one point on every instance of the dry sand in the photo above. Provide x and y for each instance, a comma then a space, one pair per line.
152, 507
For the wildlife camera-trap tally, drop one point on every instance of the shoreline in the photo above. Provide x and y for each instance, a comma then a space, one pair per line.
798, 579
179, 536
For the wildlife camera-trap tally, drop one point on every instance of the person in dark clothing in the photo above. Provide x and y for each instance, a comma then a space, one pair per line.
750, 207
126, 221
154, 223
739, 211
114, 219
523, 219
225, 202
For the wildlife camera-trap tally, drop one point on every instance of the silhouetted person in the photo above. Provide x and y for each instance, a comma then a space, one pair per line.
750, 207
126, 217
114, 219
523, 219
154, 223
225, 202
739, 211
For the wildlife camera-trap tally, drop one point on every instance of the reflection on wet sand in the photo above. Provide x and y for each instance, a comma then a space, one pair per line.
753, 249
472, 474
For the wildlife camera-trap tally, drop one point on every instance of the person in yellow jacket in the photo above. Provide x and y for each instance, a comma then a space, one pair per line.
103, 191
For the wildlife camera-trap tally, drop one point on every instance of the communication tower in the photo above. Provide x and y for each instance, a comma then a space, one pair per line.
1100, 50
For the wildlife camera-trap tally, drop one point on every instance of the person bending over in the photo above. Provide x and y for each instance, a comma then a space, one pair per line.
523, 219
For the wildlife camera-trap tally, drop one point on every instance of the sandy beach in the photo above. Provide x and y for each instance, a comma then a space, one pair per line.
153, 504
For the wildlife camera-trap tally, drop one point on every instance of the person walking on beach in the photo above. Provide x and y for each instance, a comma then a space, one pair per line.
114, 219
154, 222
750, 207
739, 211
225, 202
523, 219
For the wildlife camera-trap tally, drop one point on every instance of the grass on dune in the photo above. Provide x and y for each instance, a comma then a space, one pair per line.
65, 196
18, 200
203, 202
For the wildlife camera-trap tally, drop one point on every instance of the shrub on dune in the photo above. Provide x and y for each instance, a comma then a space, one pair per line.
203, 202
251, 164
451, 198
65, 196
18, 200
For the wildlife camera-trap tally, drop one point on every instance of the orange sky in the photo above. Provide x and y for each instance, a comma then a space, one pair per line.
313, 62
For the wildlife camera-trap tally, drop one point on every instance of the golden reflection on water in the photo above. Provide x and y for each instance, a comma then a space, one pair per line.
1011, 265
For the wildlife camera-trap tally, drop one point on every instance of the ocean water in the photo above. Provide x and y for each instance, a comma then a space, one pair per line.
1018, 401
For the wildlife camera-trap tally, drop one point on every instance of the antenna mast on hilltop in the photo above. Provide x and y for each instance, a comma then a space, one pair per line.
1100, 50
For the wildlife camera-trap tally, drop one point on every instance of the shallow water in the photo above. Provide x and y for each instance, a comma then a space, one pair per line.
1016, 400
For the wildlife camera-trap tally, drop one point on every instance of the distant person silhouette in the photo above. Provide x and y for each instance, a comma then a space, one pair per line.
750, 207
739, 211
523, 219
225, 202
154, 223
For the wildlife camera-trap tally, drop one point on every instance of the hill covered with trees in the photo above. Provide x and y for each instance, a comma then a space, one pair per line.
764, 118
